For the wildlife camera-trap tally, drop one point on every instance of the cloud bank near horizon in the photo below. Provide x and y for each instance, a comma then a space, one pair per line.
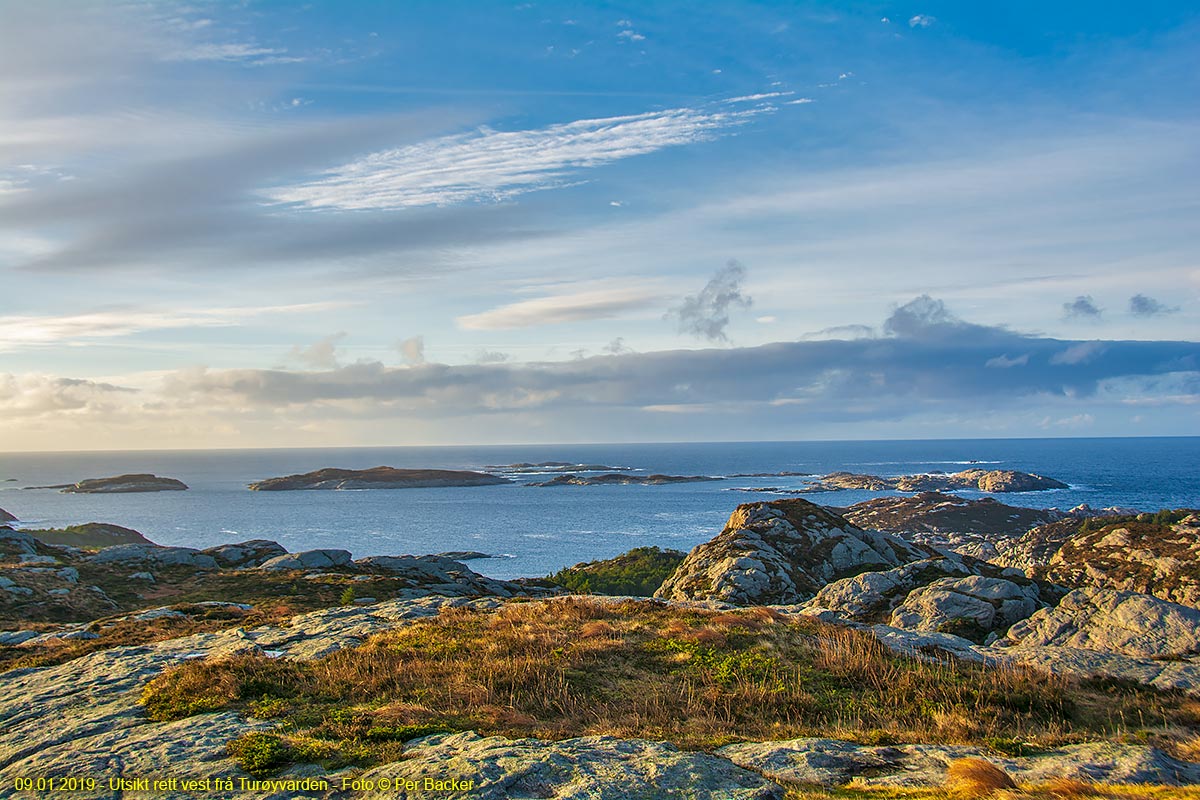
927, 364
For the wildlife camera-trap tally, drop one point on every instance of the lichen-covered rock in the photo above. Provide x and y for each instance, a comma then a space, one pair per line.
591, 768
1160, 560
782, 552
833, 763
972, 606
439, 575
14, 544
154, 554
251, 553
871, 596
84, 716
1109, 621
309, 559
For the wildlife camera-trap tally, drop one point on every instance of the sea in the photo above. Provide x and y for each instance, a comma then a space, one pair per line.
532, 531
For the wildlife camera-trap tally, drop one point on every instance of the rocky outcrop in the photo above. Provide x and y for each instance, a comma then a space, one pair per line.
6, 517
1109, 621
949, 594
1160, 560
155, 555
90, 534
996, 480
621, 480
125, 484
377, 478
309, 559
782, 552
1137, 555
973, 607
830, 762
438, 575
595, 767
251, 553
944, 514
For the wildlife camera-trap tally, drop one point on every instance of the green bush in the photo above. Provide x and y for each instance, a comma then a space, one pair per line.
638, 573
260, 753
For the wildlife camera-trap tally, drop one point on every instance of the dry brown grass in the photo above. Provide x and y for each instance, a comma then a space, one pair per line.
974, 777
575, 666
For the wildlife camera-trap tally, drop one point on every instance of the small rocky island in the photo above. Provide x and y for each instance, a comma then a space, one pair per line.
525, 467
120, 484
995, 480
614, 479
377, 478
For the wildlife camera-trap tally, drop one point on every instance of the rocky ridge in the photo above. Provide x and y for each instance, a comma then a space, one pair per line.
780, 553
1157, 558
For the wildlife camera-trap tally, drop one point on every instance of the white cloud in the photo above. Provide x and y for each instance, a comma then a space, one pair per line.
632, 36
19, 331
490, 165
592, 304
1004, 362
1078, 353
749, 98
413, 350
921, 21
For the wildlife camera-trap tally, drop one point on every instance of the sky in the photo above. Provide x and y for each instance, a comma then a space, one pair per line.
274, 224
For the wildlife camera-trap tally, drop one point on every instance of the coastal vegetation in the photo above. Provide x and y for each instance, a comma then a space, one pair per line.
637, 573
698, 678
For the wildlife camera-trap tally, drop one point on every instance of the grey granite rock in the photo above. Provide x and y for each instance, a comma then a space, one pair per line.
592, 768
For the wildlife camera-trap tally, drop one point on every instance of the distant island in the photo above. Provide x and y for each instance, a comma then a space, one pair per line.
555, 466
377, 478
622, 480
120, 484
996, 480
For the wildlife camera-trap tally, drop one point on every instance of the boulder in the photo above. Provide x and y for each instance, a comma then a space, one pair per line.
591, 768
871, 596
309, 559
1110, 621
972, 607
251, 553
781, 553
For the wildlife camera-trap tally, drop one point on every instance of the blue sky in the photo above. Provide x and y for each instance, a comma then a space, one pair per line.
273, 224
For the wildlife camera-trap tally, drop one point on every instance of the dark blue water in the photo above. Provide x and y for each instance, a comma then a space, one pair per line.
543, 529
